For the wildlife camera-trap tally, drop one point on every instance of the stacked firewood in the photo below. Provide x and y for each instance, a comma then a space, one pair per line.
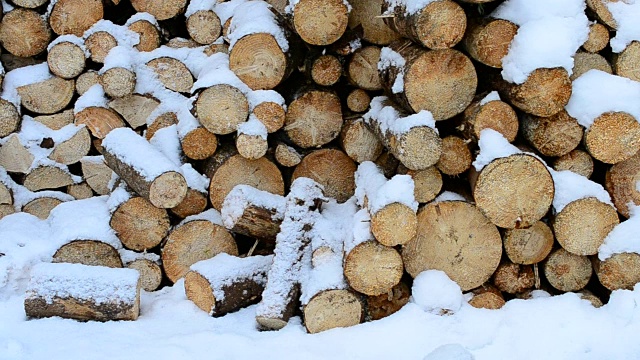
311, 157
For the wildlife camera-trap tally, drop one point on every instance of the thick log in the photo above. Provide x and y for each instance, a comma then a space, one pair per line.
139, 225
566, 271
99, 44
620, 271
454, 236
492, 114
332, 169
428, 182
331, 309
173, 74
362, 68
252, 212
440, 81
622, 184
149, 35
613, 137
47, 177
75, 16
513, 278
359, 142
146, 170
161, 10
10, 119
373, 269
88, 252
367, 14
227, 283
529, 245
81, 292
47, 97
118, 82
320, 22
134, 109
29, 4
66, 59
598, 38
455, 158
556, 135
314, 119
221, 108
438, 25
24, 33
41, 207
73, 149
487, 40
577, 161
193, 203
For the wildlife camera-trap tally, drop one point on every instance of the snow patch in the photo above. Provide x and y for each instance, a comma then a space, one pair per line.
492, 96
254, 17
570, 187
626, 14
435, 292
623, 238
392, 121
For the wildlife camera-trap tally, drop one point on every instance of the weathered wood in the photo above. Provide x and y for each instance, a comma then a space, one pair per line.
139, 225
66, 60
358, 100
494, 114
99, 44
372, 268
598, 38
556, 135
75, 16
314, 119
6, 210
287, 156
56, 121
584, 61
529, 245
47, 97
566, 271
599, 8
80, 191
118, 82
97, 174
428, 182
100, 121
199, 144
149, 35
331, 309
14, 157
161, 10
627, 62
193, 203
134, 109
513, 278
487, 297
163, 120
88, 252
381, 306
86, 80
47, 177
613, 137
72, 150
620, 271
221, 108
41, 207
6, 195
252, 212
24, 33
487, 40
332, 169
359, 142
366, 13
150, 273
10, 119
204, 26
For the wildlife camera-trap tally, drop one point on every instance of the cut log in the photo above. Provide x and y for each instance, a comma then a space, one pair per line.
620, 271
47, 97
253, 213
199, 144
10, 119
513, 278
118, 82
162, 121
99, 44
221, 108
193, 203
622, 184
314, 119
6, 196
320, 22
194, 241
366, 13
41, 207
47, 177
332, 309
100, 121
514, 191
381, 306
487, 40
161, 10
599, 8
358, 100
6, 210
14, 157
292, 255
227, 283
86, 80
145, 169
251, 140
566, 271
269, 108
150, 273
325, 70
72, 150
332, 169
487, 297
362, 68
75, 16
88, 252
613, 137
134, 109
590, 297
388, 163
261, 174
577, 161
454, 236
529, 245
149, 35
97, 174
359, 142
456, 156
412, 139
80, 191
173, 74
493, 114
584, 61
440, 81
598, 38
66, 59
204, 26
29, 4
56, 121
544, 93
556, 135
428, 182
627, 63
81, 292
24, 33
373, 269
438, 25
287, 156
139, 225
179, 43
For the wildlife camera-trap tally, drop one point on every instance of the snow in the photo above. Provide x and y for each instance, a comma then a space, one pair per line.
195, 180
215, 72
98, 284
128, 256
626, 14
257, 97
117, 197
135, 151
623, 238
361, 229
596, 92
20, 77
492, 96
95, 96
69, 38
410, 6
380, 192
253, 17
388, 59
434, 292
448, 196
142, 16
390, 120
492, 145
119, 57
124, 37
243, 196
211, 215
450, 352
549, 34
223, 270
253, 127
570, 187
226, 9
167, 141
197, 5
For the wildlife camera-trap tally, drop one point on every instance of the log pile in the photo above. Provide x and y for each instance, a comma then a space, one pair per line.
313, 158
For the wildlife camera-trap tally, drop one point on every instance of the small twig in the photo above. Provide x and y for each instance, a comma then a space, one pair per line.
255, 244
536, 275
385, 16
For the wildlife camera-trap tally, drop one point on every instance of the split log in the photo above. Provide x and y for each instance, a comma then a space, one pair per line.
622, 184
324, 70
24, 33
381, 306
150, 273
253, 213
14, 157
556, 135
204, 26
139, 225
428, 182
362, 68
456, 156
118, 82
314, 119
373, 269
192, 241
88, 252
292, 255
162, 10
162, 121
599, 8
487, 297
489, 113
134, 109
287, 156
577, 161
193, 203
221, 108
99, 44
613, 137
149, 35
359, 142
513, 278
80, 191
81, 292
320, 22
97, 174
199, 144
6, 195
47, 97
393, 218
566, 271
227, 283
440, 81
332, 169
454, 236
412, 139
598, 38
261, 174
66, 59
627, 62
544, 93
620, 271
146, 170
584, 61
75, 16
73, 149
10, 119
367, 13
56, 121
86, 80
529, 245
487, 40
173, 74
47, 177
358, 100
41, 207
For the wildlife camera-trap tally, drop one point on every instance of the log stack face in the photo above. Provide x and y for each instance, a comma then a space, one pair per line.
237, 156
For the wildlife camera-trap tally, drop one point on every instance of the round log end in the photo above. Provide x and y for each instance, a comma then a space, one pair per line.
613, 137
332, 309
168, 190
139, 225
320, 22
529, 245
373, 269
620, 271
394, 224
199, 291
199, 144
566, 271
258, 61
150, 273
118, 82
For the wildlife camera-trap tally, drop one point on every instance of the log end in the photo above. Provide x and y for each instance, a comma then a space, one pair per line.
168, 190
332, 309
395, 224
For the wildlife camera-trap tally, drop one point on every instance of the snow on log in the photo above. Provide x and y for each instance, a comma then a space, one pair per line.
584, 61
148, 29
82, 292
427, 182
332, 169
227, 283
489, 112
252, 212
358, 141
251, 141
618, 263
66, 56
